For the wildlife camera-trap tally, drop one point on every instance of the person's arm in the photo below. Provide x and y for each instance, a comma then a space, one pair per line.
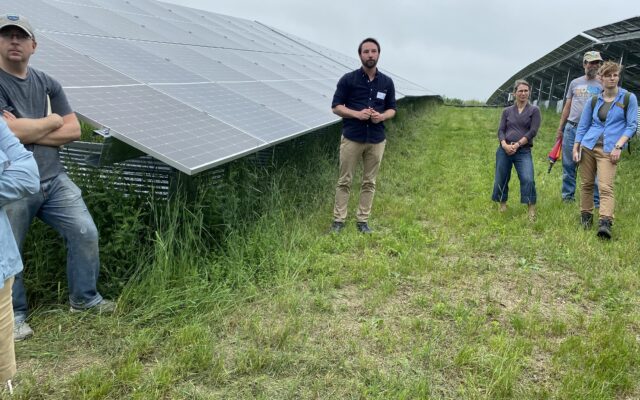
631, 125
343, 111
564, 117
19, 177
502, 134
583, 127
68, 132
30, 130
533, 129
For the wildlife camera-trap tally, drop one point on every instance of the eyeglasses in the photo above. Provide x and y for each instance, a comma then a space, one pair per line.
18, 35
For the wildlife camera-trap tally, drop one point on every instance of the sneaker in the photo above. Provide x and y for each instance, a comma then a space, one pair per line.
503, 207
604, 228
21, 331
586, 220
568, 200
337, 226
104, 307
363, 227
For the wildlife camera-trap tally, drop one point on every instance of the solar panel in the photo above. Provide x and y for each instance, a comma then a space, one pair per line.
294, 108
125, 57
235, 110
173, 132
191, 88
72, 69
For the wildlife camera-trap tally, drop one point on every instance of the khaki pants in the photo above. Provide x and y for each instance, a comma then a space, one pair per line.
350, 155
7, 354
594, 162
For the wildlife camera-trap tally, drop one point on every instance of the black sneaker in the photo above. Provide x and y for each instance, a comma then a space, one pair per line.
337, 226
604, 229
586, 220
363, 227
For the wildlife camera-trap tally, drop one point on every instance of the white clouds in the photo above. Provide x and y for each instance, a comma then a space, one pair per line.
458, 48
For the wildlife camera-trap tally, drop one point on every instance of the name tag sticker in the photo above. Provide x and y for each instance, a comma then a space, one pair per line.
381, 95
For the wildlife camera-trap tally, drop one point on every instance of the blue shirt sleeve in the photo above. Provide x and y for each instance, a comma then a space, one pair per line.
585, 121
342, 92
19, 173
390, 100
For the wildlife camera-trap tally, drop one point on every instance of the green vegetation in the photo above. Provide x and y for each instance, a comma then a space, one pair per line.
244, 295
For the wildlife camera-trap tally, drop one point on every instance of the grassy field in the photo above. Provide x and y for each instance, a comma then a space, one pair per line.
448, 299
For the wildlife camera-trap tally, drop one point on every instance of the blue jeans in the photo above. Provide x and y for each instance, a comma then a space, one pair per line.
569, 167
523, 163
59, 204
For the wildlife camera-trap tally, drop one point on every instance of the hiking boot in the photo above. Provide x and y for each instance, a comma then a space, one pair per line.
604, 228
21, 331
586, 220
363, 227
104, 307
337, 226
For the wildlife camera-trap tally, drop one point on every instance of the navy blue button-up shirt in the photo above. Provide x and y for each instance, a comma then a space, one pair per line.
356, 92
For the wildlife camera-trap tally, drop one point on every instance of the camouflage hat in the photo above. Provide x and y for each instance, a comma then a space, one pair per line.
591, 56
16, 20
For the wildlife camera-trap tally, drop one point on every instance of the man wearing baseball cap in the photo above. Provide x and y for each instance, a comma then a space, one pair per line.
579, 92
26, 96
19, 21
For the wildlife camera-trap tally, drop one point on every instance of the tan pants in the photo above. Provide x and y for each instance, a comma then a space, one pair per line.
7, 354
350, 155
594, 162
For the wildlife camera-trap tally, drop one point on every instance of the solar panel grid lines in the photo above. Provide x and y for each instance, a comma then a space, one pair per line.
195, 60
73, 69
114, 24
165, 128
243, 65
125, 7
124, 56
237, 111
276, 100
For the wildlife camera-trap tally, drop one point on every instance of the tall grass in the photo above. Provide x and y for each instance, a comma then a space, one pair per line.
242, 293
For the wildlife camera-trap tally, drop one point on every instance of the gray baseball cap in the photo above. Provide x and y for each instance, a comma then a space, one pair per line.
16, 20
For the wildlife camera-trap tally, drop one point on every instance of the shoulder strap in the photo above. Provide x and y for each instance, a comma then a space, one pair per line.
625, 103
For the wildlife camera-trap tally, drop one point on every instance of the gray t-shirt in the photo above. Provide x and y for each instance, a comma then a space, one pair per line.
580, 90
27, 98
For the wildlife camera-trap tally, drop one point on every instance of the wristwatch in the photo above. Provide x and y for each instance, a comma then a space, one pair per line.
617, 147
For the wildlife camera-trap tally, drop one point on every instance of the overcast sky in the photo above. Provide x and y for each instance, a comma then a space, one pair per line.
456, 48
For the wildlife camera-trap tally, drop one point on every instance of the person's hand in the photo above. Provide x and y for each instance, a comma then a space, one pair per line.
56, 120
576, 154
364, 114
559, 133
376, 117
614, 156
510, 149
8, 115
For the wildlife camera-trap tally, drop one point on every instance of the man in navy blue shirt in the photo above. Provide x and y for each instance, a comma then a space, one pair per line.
364, 98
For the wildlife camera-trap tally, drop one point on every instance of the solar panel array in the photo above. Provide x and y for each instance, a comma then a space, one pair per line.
192, 88
551, 74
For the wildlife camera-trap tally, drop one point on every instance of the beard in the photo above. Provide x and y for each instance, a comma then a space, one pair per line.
591, 73
370, 63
